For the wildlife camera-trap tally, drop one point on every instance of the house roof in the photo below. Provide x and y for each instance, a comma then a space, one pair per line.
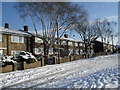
70, 39
29, 33
12, 31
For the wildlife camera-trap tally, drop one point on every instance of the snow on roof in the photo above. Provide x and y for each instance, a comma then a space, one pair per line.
12, 31
29, 33
34, 33
63, 38
70, 39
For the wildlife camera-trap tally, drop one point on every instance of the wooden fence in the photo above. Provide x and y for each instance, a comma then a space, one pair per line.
24, 65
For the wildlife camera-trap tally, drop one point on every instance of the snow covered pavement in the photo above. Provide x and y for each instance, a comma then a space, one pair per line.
98, 72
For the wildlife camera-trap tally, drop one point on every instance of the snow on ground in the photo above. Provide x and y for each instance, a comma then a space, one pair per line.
98, 72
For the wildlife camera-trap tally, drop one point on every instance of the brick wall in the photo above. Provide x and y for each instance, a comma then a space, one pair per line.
11, 46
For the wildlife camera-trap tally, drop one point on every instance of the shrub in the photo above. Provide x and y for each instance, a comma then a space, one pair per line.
30, 60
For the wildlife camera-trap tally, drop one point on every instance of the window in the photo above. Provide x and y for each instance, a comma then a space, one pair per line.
76, 44
81, 52
77, 52
1, 52
17, 39
50, 50
14, 53
0, 37
80, 44
70, 43
63, 42
39, 51
70, 51
38, 40
21, 39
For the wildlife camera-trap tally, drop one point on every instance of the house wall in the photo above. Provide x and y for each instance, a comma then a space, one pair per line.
17, 46
30, 45
11, 46
3, 44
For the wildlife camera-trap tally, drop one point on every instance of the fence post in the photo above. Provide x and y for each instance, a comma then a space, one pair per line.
55, 60
24, 65
70, 58
14, 66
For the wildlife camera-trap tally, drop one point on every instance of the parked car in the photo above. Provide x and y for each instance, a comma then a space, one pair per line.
26, 56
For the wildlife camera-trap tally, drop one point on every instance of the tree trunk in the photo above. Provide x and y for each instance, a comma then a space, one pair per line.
85, 50
46, 49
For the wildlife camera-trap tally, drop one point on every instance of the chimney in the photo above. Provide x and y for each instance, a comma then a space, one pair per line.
25, 28
6, 25
66, 35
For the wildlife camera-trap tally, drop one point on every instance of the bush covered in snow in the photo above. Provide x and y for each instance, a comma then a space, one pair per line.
7, 60
26, 56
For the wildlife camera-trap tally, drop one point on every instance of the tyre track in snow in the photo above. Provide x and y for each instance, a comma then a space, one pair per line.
49, 75
38, 73
38, 77
52, 77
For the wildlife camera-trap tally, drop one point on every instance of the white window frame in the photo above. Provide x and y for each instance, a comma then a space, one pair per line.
38, 40
80, 44
21, 39
70, 43
77, 51
76, 44
70, 51
1, 38
37, 51
17, 39
81, 51
63, 42
14, 52
1, 52
50, 50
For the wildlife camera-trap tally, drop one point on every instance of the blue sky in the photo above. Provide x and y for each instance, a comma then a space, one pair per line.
94, 9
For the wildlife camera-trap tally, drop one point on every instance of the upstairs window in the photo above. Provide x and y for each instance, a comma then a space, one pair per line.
38, 40
76, 44
77, 52
70, 43
39, 50
63, 42
0, 37
17, 39
50, 50
1, 52
80, 44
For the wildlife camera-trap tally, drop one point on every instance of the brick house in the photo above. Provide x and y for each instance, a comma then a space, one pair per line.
13, 41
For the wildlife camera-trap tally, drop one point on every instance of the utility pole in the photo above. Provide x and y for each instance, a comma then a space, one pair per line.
112, 44
58, 41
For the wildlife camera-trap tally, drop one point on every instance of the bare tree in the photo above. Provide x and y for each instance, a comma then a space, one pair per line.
87, 32
53, 18
106, 30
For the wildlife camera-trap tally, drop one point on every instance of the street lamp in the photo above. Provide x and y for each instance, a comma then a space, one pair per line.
112, 44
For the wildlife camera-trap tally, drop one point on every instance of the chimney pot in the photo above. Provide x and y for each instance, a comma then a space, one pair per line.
25, 28
66, 35
6, 25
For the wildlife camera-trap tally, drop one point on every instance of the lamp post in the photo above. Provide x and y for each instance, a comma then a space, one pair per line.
58, 41
112, 44
74, 45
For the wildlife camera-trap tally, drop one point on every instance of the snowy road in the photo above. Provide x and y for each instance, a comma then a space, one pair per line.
87, 73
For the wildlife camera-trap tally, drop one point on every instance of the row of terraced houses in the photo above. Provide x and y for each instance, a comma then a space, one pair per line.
14, 41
